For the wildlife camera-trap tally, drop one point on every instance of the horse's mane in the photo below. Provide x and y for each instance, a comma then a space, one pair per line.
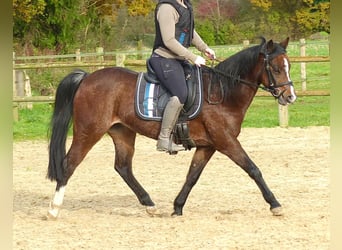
239, 65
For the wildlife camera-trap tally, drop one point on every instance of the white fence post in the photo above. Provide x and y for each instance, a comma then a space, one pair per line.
100, 58
283, 116
302, 64
78, 55
15, 104
120, 60
27, 88
245, 44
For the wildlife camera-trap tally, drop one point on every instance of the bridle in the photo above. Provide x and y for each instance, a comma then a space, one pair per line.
273, 87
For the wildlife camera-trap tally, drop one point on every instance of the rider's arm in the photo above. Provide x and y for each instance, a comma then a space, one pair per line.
167, 17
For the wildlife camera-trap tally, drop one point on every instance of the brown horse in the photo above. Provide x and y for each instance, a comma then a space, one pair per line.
103, 102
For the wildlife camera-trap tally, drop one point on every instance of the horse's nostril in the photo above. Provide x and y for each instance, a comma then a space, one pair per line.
291, 98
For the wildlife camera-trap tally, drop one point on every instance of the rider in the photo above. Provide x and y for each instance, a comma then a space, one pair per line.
174, 25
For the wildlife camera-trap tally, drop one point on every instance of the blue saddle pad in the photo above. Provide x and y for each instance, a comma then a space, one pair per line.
151, 97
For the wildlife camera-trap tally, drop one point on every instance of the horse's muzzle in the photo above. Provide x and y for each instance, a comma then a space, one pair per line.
285, 96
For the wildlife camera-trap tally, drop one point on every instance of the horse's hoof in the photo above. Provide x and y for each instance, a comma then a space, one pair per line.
153, 211
277, 211
53, 212
174, 215
51, 215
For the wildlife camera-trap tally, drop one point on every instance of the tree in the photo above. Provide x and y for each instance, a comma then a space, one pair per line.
26, 10
63, 25
47, 24
24, 14
219, 14
140, 7
296, 18
313, 17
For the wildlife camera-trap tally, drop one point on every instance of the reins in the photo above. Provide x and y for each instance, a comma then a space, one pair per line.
217, 71
271, 89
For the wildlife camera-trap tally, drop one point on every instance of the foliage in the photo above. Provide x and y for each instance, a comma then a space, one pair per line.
26, 10
61, 26
140, 7
297, 18
51, 28
314, 17
217, 17
207, 32
25, 13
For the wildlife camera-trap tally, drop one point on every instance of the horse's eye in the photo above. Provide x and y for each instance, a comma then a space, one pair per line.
276, 69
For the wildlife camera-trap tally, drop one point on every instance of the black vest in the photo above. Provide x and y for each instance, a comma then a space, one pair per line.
184, 28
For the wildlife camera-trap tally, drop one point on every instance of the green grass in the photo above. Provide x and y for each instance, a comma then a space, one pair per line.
317, 76
306, 111
263, 112
33, 123
310, 111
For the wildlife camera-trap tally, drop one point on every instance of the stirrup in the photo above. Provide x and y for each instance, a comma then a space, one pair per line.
170, 148
173, 146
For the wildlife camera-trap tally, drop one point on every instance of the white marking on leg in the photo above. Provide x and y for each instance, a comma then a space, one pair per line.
59, 196
56, 203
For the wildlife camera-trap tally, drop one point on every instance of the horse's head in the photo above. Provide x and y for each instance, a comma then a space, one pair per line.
276, 73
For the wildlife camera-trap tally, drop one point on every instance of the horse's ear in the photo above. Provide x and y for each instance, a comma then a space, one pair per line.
263, 40
285, 43
269, 47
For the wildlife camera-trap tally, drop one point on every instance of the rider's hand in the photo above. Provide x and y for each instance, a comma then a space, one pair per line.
210, 53
199, 61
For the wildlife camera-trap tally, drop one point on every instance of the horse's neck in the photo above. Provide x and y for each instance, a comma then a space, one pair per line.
242, 96
220, 89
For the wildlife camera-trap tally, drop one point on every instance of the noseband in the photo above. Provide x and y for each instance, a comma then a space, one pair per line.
273, 88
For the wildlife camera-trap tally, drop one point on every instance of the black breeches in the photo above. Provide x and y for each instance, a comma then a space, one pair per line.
170, 73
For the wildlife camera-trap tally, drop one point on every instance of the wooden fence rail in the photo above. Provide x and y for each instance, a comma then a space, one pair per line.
51, 99
133, 63
100, 60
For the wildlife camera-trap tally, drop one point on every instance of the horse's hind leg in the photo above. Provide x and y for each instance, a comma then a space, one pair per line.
124, 141
77, 151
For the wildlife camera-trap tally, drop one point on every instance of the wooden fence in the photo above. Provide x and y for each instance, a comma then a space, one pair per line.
97, 59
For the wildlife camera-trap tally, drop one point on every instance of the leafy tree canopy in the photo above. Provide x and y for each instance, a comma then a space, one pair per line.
63, 25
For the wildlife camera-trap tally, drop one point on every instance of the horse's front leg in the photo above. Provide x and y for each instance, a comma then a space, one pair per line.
199, 161
254, 172
235, 152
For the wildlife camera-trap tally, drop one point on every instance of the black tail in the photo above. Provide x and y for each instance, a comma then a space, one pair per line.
60, 123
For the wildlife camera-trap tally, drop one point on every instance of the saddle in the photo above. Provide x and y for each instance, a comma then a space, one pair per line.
151, 98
